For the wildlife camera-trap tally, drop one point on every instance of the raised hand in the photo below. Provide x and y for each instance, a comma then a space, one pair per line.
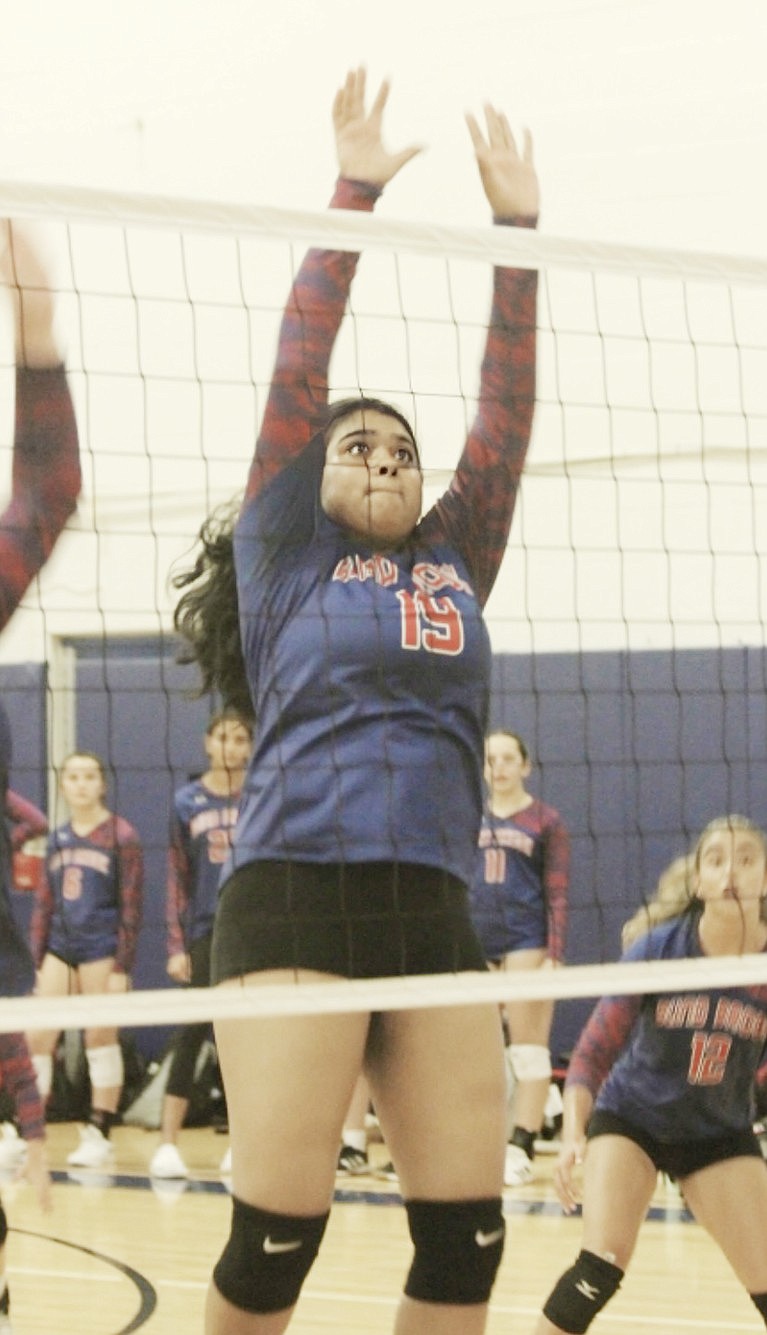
359, 145
508, 177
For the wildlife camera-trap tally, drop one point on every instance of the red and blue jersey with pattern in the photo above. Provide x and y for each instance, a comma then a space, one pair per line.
369, 671
17, 1078
518, 896
679, 1065
89, 905
201, 831
45, 487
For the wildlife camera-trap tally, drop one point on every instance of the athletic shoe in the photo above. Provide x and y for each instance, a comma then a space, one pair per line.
168, 1188
388, 1172
226, 1163
13, 1150
93, 1151
167, 1162
352, 1161
518, 1170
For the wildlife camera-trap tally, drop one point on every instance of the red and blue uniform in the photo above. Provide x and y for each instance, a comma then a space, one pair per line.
518, 896
17, 1078
46, 484
201, 829
89, 905
679, 1066
369, 671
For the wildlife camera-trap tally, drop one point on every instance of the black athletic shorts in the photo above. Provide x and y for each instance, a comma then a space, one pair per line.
678, 1158
356, 920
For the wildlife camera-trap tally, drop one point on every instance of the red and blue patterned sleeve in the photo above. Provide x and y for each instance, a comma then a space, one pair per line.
602, 1041
556, 883
40, 925
17, 1076
46, 481
27, 820
298, 394
177, 893
130, 857
476, 511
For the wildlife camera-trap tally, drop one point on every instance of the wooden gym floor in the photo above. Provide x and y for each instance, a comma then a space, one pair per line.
119, 1254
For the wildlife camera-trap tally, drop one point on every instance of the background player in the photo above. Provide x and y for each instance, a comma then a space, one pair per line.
202, 824
666, 1082
83, 935
519, 909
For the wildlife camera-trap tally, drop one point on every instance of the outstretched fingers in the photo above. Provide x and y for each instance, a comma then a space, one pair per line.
361, 152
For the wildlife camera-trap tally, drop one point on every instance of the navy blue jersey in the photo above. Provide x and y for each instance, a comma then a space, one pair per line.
678, 1065
89, 906
518, 896
372, 699
201, 829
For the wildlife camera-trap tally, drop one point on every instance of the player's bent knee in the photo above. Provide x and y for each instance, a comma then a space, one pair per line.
267, 1257
582, 1292
458, 1248
530, 1061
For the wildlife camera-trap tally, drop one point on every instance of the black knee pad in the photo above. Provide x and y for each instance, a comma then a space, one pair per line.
458, 1248
3, 1226
582, 1292
267, 1257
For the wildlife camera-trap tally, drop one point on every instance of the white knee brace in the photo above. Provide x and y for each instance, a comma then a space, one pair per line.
44, 1074
105, 1066
530, 1061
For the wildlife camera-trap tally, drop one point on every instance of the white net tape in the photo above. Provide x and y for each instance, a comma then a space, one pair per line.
385, 994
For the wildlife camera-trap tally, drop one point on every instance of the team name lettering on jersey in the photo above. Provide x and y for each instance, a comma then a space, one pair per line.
506, 837
739, 1018
81, 857
427, 577
214, 819
380, 568
688, 1012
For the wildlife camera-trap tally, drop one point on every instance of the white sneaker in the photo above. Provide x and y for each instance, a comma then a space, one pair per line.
226, 1163
518, 1170
93, 1150
13, 1150
167, 1162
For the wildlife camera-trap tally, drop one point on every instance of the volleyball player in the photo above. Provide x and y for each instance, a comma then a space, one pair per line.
45, 487
665, 1082
17, 1078
202, 824
368, 665
518, 904
83, 935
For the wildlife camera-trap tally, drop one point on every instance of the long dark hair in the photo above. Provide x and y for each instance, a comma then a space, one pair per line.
207, 613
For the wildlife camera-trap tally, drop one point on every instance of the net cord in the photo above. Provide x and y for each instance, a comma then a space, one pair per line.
341, 229
165, 1006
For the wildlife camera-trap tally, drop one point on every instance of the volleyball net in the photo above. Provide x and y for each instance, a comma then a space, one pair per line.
628, 619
